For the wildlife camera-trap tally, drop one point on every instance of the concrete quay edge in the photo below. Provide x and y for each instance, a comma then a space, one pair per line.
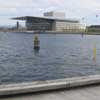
37, 86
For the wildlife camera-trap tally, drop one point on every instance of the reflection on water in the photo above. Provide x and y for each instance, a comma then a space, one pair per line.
36, 52
60, 56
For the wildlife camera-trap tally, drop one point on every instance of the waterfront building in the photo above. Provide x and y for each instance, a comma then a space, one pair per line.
52, 21
93, 28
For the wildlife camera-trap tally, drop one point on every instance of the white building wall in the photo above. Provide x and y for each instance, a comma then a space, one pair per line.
66, 26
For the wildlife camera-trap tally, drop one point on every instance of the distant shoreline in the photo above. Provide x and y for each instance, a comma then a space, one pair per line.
76, 33
53, 32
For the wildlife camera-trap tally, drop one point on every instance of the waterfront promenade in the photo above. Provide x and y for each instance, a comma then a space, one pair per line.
86, 93
79, 88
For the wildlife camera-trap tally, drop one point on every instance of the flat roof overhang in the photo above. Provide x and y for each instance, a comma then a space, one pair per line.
46, 18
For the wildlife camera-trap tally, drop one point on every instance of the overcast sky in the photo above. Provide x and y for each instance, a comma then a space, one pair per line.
79, 9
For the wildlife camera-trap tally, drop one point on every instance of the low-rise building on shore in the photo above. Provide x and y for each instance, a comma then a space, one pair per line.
93, 28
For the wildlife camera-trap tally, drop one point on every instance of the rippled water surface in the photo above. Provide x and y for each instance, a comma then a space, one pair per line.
60, 56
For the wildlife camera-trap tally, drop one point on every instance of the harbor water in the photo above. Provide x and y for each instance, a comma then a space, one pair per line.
60, 56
